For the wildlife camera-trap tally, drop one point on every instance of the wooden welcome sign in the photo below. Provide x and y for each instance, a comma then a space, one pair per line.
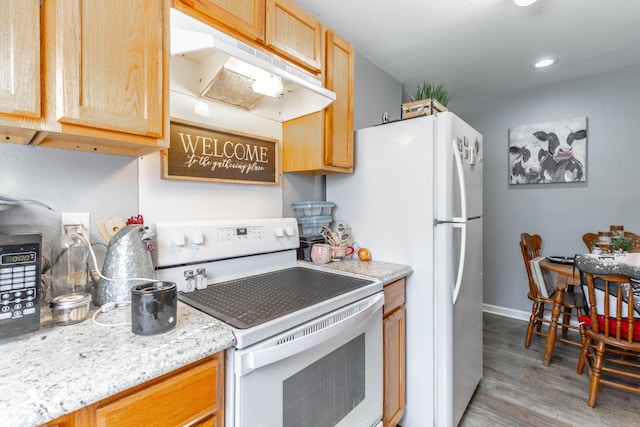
211, 154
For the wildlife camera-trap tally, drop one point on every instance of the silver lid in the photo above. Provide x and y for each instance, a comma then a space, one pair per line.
70, 300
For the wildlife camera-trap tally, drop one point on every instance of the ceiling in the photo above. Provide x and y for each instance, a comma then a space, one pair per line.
482, 47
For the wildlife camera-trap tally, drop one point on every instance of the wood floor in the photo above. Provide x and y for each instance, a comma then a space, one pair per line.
518, 390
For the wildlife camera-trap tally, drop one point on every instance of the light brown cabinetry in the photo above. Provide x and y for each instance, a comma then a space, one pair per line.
20, 58
279, 26
109, 64
104, 82
294, 33
322, 142
192, 395
394, 352
244, 18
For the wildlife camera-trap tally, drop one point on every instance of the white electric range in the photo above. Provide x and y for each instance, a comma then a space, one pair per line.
309, 341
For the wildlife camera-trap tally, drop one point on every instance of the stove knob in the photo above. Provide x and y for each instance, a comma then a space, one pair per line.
279, 232
197, 237
179, 238
289, 231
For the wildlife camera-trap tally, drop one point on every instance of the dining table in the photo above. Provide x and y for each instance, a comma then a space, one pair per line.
627, 264
566, 275
569, 274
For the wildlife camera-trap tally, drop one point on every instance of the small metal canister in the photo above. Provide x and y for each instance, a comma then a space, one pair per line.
153, 307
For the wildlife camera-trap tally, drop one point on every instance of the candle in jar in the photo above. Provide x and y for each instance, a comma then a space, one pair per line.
604, 238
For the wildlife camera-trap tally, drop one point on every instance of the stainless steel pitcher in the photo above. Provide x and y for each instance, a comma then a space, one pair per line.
128, 257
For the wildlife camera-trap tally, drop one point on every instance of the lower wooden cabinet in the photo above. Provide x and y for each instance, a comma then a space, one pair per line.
394, 352
192, 395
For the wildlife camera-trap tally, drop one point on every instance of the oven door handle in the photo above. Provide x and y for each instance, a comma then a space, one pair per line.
257, 359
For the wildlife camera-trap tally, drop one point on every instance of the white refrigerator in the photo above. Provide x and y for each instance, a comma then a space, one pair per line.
415, 198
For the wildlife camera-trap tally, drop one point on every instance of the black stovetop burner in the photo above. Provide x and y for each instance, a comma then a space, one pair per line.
250, 301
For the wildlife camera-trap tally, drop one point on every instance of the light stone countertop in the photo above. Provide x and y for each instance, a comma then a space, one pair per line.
60, 369
385, 271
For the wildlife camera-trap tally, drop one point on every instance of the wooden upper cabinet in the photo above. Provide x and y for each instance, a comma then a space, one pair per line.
20, 58
109, 62
239, 17
322, 143
339, 77
294, 33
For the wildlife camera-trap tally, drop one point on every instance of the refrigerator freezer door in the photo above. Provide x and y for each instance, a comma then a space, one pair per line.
458, 326
469, 148
388, 201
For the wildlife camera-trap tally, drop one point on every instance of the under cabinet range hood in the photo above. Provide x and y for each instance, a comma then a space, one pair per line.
208, 65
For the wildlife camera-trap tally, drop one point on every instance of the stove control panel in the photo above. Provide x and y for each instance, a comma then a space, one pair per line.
209, 240
237, 234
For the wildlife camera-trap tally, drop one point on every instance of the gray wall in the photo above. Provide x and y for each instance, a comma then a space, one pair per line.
67, 181
376, 92
560, 213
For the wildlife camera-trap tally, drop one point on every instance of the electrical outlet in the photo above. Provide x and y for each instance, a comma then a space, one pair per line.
82, 218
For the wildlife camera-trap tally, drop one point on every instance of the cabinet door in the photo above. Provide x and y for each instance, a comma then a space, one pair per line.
244, 17
109, 64
20, 57
295, 34
186, 398
303, 144
393, 405
339, 75
63, 421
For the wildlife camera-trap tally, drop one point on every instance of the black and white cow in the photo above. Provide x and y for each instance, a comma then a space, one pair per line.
526, 167
562, 166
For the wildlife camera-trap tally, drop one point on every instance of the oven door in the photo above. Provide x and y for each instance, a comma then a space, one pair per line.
325, 373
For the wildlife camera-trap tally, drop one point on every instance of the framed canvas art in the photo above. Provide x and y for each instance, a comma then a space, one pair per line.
548, 152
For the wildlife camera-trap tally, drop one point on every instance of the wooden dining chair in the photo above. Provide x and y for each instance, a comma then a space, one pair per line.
588, 239
611, 333
635, 241
530, 245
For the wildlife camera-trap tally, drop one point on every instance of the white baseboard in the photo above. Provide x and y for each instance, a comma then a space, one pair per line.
516, 314
507, 312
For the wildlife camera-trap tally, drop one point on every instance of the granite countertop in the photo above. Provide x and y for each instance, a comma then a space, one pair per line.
627, 264
385, 271
60, 369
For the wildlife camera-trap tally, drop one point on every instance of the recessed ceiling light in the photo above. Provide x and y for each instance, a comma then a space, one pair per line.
524, 2
543, 63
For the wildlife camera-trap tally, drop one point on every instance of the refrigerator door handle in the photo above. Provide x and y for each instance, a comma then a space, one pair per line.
461, 181
463, 251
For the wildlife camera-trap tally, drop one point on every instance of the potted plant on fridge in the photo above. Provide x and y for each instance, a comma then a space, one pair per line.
428, 98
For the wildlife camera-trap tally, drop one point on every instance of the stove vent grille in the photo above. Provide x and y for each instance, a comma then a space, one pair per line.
232, 88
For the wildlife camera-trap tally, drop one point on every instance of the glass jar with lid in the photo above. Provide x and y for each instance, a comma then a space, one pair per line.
69, 269
617, 231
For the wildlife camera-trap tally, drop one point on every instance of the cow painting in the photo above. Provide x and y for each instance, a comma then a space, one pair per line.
526, 167
563, 166
549, 152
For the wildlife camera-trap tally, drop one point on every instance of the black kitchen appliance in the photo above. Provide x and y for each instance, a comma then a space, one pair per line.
20, 251
306, 242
